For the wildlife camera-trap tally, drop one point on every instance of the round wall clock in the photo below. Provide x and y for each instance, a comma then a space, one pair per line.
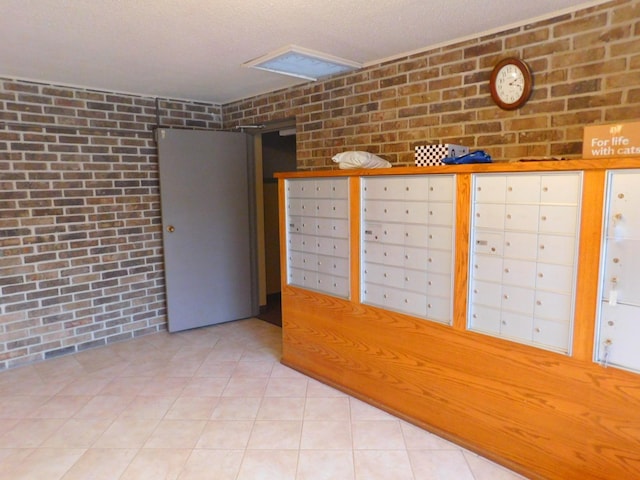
511, 83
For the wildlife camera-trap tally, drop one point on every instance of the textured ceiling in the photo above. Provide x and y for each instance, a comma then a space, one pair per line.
194, 49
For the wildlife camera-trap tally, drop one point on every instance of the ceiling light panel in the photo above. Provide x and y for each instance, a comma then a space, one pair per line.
302, 63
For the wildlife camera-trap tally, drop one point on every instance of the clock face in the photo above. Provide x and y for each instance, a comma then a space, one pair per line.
510, 83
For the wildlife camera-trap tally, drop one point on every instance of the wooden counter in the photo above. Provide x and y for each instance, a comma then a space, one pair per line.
539, 412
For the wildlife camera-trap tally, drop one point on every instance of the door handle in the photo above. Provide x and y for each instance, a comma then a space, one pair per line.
171, 229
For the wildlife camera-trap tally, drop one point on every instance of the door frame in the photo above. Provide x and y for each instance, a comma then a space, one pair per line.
259, 192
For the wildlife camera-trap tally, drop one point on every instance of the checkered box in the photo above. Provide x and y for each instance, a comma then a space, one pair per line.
432, 155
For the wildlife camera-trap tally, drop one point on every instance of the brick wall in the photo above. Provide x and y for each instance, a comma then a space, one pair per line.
586, 68
80, 237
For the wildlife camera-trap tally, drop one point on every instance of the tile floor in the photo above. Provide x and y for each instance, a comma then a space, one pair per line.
214, 404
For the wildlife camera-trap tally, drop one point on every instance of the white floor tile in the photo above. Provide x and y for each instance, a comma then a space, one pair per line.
212, 464
101, 464
281, 408
192, 408
213, 403
269, 465
30, 432
325, 465
236, 408
383, 465
78, 433
176, 434
226, 435
245, 387
326, 435
416, 438
331, 408
275, 435
127, 432
153, 464
439, 465
148, 407
484, 469
363, 411
49, 463
378, 435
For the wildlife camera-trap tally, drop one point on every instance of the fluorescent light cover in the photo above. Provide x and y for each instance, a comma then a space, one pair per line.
303, 63
286, 132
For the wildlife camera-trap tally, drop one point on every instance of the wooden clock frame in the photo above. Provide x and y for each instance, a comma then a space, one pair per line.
528, 83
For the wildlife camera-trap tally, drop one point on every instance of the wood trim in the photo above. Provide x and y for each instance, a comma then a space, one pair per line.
496, 167
589, 263
282, 217
461, 269
354, 244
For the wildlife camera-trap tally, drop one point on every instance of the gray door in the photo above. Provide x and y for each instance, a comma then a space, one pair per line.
208, 225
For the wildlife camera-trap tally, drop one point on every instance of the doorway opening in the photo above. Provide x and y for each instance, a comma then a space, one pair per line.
278, 154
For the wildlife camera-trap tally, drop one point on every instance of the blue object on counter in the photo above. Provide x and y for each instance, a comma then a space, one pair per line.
478, 156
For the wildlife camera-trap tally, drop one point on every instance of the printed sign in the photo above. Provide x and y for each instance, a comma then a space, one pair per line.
617, 140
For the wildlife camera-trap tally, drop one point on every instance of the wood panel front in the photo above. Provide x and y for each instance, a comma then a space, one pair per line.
545, 414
